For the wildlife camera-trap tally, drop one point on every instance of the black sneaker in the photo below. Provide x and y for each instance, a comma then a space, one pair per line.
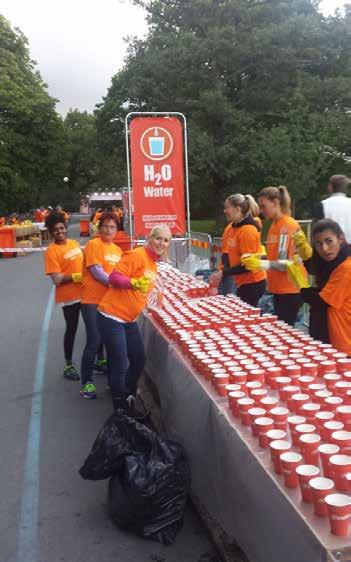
71, 373
100, 366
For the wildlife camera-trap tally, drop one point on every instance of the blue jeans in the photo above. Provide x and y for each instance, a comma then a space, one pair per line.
125, 354
93, 344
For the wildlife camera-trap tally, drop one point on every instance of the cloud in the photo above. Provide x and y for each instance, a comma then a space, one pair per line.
77, 44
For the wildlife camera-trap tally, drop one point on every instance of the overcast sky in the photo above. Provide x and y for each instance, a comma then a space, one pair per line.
78, 44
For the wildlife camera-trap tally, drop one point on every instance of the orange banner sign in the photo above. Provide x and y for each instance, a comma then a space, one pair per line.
157, 172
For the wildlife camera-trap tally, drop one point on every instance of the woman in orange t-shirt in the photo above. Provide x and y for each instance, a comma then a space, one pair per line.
64, 262
101, 256
331, 264
243, 238
274, 204
130, 284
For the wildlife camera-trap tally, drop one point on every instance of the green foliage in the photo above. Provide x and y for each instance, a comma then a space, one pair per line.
31, 132
265, 86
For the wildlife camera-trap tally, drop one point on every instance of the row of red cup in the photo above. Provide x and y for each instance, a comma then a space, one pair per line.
270, 371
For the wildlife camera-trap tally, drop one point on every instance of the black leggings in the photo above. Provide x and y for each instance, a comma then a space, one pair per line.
286, 306
71, 314
252, 292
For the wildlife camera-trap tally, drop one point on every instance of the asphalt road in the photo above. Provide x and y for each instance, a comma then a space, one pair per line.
48, 513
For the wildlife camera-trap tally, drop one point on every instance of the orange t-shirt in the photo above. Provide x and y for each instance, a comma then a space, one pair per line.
241, 240
66, 259
337, 293
127, 304
97, 252
280, 246
39, 216
96, 218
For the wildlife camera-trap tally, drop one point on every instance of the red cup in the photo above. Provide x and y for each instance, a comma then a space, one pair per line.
321, 487
271, 374
233, 398
256, 375
343, 413
237, 376
277, 448
252, 385
339, 511
281, 382
280, 417
343, 364
276, 435
327, 366
302, 429
304, 381
321, 418
294, 421
328, 428
340, 466
288, 391
310, 369
321, 395
269, 402
332, 402
330, 380
309, 443
220, 382
232, 388
257, 394
305, 473
255, 413
315, 387
289, 463
264, 425
296, 401
326, 451
310, 410
293, 371
341, 387
244, 405
342, 438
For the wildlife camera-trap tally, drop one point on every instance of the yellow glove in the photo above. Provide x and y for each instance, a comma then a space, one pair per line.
304, 249
77, 277
297, 275
254, 263
258, 255
141, 284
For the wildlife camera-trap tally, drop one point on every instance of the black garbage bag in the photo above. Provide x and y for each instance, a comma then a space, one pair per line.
150, 477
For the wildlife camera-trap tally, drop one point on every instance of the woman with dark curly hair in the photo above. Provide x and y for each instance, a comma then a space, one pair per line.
64, 262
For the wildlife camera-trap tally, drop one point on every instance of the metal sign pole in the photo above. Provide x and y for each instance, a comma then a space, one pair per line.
129, 182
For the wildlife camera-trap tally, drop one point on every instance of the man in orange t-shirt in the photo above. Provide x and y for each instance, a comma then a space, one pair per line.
101, 257
131, 282
64, 262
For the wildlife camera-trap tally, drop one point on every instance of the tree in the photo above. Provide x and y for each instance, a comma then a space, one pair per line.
265, 85
31, 132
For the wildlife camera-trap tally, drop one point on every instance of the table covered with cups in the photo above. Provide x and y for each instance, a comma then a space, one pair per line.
264, 413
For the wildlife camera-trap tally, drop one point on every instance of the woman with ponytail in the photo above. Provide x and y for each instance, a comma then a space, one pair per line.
275, 205
242, 238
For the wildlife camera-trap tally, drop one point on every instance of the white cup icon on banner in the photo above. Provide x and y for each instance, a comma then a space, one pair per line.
156, 145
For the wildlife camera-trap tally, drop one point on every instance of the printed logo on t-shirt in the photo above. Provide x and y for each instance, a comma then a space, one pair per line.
231, 243
72, 254
112, 258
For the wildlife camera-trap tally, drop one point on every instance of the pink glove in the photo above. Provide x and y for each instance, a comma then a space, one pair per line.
119, 281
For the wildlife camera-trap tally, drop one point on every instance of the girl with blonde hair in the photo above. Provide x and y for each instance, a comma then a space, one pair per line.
243, 237
130, 284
